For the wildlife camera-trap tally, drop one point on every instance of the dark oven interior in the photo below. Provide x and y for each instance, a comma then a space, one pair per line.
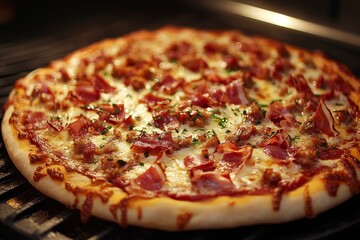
33, 33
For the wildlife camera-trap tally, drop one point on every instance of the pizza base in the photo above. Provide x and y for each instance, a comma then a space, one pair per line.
78, 191
169, 214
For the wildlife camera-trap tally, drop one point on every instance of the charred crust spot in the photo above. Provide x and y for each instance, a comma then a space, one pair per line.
183, 219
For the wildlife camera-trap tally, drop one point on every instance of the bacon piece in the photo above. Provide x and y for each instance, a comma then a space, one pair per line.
198, 162
136, 82
132, 68
201, 95
276, 152
324, 121
194, 64
280, 138
242, 134
35, 121
253, 48
178, 50
299, 83
152, 179
282, 64
233, 157
201, 100
41, 89
154, 143
198, 86
260, 72
331, 153
270, 178
235, 93
213, 47
282, 51
212, 182
115, 113
194, 117
56, 124
100, 84
255, 114
334, 82
231, 62
343, 117
280, 115
168, 84
164, 120
86, 93
277, 146
153, 101
120, 182
85, 147
212, 142
88, 89
80, 127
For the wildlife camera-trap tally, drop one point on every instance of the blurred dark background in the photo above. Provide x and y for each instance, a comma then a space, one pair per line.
83, 21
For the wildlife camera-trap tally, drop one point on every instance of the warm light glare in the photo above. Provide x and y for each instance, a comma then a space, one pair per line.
282, 20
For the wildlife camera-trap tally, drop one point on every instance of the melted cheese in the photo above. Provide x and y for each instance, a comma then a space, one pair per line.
221, 121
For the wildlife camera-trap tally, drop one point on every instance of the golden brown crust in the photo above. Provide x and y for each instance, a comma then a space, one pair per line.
105, 201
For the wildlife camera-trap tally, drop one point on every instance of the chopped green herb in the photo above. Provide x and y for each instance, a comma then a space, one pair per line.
223, 122
227, 131
295, 138
121, 162
194, 141
216, 116
141, 164
275, 100
146, 154
230, 70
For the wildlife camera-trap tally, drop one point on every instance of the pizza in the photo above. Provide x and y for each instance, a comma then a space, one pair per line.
181, 128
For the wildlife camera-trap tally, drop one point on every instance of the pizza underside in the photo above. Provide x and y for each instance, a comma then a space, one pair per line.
181, 129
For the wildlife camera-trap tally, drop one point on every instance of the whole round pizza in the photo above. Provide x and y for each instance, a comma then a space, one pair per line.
182, 128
